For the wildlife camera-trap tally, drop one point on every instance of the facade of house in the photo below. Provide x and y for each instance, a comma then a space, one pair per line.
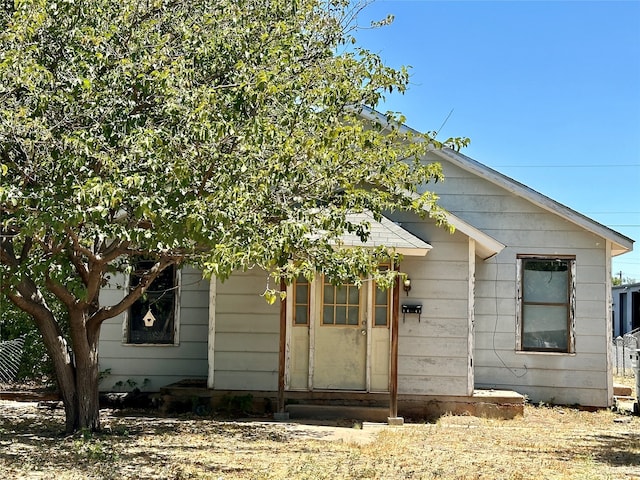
517, 298
626, 309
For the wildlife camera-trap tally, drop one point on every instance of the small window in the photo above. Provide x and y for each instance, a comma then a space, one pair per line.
301, 296
546, 304
340, 304
381, 310
152, 318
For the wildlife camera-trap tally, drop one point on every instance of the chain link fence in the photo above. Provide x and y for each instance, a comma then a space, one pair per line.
624, 353
10, 356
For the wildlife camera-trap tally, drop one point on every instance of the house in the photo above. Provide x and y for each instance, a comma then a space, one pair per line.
516, 299
626, 309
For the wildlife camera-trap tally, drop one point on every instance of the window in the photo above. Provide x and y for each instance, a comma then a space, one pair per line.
546, 303
301, 296
340, 304
381, 310
152, 318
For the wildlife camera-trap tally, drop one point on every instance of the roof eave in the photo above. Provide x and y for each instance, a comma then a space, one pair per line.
486, 246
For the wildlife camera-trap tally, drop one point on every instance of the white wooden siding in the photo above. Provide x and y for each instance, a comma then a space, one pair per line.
247, 334
528, 229
433, 357
150, 366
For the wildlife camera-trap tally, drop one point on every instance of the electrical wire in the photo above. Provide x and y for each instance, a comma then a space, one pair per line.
495, 328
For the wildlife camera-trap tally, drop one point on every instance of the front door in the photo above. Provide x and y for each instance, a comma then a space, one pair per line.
337, 337
340, 339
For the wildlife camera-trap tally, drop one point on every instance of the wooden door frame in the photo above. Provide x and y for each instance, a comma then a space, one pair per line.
284, 357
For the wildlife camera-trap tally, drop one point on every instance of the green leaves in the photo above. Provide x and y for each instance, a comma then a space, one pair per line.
227, 133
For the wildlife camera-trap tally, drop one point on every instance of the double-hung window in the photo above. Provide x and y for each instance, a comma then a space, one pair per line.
152, 319
546, 303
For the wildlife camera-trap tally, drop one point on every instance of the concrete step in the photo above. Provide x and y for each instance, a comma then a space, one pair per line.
624, 398
622, 390
335, 412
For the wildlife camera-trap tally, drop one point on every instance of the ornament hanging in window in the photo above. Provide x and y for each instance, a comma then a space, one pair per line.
149, 319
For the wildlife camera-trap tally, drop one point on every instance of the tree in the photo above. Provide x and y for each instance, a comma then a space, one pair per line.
226, 134
618, 280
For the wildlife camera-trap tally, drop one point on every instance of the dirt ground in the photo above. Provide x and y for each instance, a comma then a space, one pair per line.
546, 442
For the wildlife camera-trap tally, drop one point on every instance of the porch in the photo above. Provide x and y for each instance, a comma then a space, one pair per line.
193, 394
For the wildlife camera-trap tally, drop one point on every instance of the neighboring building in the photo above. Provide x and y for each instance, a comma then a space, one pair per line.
626, 309
518, 298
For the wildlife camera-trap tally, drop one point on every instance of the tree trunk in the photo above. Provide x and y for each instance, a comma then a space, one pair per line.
88, 410
76, 371
75, 364
80, 394
83, 407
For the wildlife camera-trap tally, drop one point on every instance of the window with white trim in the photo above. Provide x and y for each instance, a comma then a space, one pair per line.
152, 319
546, 303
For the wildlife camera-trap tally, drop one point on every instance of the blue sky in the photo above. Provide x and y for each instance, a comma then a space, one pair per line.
548, 92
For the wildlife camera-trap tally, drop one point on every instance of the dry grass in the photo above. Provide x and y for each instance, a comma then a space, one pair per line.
551, 443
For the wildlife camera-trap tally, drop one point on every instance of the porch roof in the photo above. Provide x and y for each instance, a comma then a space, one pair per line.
387, 233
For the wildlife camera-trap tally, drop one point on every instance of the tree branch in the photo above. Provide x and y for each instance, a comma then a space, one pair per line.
63, 294
77, 246
79, 266
114, 250
109, 312
26, 248
7, 255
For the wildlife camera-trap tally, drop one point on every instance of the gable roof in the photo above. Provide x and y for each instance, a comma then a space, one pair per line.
387, 233
619, 243
393, 236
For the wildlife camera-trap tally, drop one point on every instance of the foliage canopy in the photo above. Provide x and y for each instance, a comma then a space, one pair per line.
227, 134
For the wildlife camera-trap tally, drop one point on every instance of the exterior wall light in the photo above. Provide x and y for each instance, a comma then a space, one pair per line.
406, 284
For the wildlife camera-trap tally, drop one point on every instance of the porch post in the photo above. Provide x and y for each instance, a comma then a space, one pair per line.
211, 335
393, 377
280, 414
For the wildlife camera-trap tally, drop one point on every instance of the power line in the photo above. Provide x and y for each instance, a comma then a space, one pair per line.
571, 166
612, 213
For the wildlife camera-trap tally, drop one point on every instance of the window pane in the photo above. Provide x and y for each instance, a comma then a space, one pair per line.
341, 295
353, 316
341, 304
302, 293
327, 315
301, 315
354, 295
381, 296
545, 281
381, 316
328, 293
544, 326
